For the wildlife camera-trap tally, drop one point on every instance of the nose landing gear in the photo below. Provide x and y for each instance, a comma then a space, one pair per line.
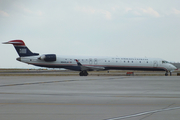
166, 74
83, 73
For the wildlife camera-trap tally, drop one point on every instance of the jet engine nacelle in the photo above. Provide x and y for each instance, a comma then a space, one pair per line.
48, 57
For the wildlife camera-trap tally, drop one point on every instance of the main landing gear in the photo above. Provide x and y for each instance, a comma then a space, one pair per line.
83, 73
166, 74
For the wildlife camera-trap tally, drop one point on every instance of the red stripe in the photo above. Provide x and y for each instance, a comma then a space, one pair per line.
17, 42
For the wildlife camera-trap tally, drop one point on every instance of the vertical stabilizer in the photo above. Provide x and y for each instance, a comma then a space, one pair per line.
21, 48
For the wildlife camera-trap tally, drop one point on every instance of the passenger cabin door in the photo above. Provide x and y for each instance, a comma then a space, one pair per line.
155, 63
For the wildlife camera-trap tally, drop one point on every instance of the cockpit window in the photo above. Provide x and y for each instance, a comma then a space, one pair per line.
165, 62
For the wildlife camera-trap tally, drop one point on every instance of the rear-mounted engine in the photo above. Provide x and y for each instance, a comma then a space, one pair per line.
48, 57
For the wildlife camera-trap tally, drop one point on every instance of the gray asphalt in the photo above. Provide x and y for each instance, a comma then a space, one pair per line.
90, 98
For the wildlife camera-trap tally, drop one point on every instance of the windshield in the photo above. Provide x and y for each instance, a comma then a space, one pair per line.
165, 61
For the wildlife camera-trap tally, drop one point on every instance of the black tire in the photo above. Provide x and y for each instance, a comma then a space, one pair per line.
83, 73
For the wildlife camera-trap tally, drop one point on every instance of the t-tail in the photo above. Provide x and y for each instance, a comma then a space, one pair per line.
21, 48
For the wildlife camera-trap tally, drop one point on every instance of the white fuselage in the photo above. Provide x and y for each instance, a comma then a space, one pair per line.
103, 63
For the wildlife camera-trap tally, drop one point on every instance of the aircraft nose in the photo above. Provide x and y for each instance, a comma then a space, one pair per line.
173, 67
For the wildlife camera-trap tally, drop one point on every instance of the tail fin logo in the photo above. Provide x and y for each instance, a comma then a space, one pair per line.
23, 51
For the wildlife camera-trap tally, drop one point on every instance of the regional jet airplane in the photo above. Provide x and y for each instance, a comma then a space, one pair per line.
84, 64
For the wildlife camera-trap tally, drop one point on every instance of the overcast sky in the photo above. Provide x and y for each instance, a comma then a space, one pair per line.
127, 28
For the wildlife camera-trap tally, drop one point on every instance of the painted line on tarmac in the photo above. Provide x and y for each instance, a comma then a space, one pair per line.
37, 83
43, 82
75, 94
77, 104
147, 96
142, 113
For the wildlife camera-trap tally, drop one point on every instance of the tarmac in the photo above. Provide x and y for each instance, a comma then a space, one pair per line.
44, 72
89, 98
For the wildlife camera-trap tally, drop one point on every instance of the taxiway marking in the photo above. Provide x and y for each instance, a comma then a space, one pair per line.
143, 113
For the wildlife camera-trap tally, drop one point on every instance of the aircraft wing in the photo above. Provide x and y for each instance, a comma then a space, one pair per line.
88, 68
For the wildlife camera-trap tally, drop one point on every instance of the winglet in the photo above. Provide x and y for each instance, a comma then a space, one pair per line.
78, 63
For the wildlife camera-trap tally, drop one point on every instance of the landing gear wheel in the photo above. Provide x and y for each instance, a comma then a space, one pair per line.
166, 74
83, 73
170, 73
